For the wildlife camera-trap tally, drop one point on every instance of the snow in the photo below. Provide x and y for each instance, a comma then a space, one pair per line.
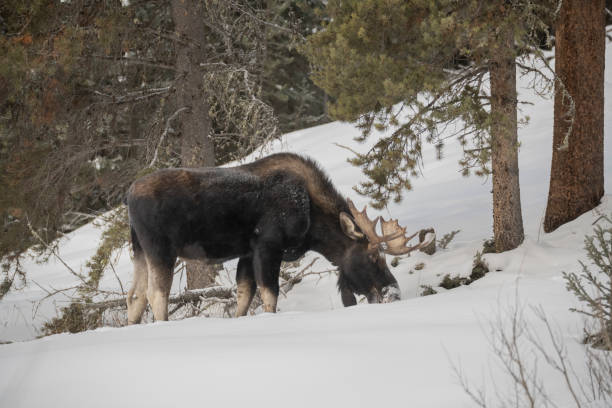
314, 352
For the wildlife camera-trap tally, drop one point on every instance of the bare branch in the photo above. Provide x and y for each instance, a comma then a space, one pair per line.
165, 133
54, 252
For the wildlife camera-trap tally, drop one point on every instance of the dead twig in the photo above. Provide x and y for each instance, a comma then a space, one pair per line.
165, 133
55, 253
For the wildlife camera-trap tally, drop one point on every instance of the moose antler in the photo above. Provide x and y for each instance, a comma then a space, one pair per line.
393, 240
365, 224
397, 246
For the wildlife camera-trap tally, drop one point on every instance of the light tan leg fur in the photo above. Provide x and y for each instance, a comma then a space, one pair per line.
269, 300
137, 295
244, 296
158, 290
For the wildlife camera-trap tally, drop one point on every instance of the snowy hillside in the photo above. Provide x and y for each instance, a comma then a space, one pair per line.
314, 352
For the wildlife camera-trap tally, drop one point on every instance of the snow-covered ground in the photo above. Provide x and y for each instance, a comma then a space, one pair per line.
314, 352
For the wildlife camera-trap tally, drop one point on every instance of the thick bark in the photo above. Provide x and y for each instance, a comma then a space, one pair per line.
197, 148
507, 217
577, 172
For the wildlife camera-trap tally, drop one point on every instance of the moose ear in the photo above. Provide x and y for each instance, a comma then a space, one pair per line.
348, 226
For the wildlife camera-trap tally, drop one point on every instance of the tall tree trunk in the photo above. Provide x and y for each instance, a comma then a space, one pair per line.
197, 148
577, 172
507, 217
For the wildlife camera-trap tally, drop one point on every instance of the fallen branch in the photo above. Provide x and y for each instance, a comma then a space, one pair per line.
215, 295
218, 292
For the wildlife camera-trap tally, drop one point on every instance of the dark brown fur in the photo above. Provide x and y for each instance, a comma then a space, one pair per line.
322, 192
273, 209
151, 187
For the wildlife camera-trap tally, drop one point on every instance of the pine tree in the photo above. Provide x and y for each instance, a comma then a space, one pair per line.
577, 169
434, 57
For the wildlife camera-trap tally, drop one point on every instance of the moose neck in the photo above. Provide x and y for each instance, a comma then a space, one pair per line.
327, 238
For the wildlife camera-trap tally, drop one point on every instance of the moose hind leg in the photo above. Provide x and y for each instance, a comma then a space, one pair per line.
137, 295
158, 288
266, 264
245, 281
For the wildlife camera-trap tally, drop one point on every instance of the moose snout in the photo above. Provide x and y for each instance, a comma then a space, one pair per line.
391, 293
388, 294
374, 296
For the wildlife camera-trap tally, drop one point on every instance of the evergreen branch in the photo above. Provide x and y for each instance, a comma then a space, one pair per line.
441, 93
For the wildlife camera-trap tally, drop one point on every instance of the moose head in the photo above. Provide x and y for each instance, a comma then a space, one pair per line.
363, 267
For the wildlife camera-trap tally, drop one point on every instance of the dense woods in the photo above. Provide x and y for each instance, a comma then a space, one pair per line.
94, 94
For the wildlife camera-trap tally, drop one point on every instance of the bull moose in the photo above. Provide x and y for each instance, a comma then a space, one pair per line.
264, 212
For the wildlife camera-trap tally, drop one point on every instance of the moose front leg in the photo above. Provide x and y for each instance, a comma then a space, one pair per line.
348, 298
245, 282
266, 265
